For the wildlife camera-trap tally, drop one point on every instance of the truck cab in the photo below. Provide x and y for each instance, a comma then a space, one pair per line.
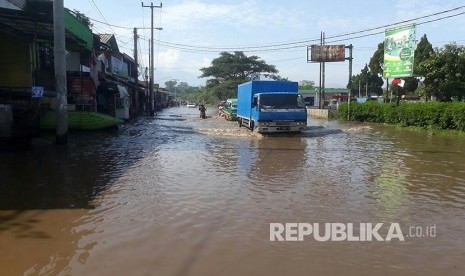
230, 110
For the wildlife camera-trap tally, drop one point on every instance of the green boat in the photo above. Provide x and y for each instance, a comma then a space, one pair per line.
79, 120
230, 110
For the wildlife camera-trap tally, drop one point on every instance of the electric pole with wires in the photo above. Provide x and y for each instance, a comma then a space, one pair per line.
152, 104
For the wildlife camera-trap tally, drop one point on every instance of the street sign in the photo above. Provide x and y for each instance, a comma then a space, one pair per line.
37, 91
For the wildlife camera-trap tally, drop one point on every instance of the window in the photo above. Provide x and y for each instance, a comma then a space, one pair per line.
281, 101
45, 57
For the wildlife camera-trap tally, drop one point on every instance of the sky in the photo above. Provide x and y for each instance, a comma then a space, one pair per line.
278, 32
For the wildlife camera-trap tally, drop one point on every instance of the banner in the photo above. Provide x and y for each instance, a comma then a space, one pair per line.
399, 49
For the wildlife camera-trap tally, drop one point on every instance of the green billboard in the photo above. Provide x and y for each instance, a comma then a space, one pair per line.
399, 49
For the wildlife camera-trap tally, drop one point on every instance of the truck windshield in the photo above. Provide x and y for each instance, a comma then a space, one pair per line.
281, 101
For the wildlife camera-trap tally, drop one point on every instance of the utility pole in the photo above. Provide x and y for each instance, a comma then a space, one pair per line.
151, 51
146, 77
321, 69
60, 72
350, 47
149, 102
387, 90
135, 55
324, 75
350, 80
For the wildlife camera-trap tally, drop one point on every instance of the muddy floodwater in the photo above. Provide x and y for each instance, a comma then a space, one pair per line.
178, 195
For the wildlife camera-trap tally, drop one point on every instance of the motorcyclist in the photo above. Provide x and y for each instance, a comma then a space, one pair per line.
202, 111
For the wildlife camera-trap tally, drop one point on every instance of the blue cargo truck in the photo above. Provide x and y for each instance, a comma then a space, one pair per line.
271, 106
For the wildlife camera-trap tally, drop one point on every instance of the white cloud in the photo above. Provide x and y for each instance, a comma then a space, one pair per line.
329, 24
197, 16
168, 58
190, 13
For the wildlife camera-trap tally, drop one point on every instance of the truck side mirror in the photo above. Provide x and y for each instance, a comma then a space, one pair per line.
254, 102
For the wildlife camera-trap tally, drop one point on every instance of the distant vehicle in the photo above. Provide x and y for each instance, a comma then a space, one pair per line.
191, 105
230, 110
271, 106
378, 99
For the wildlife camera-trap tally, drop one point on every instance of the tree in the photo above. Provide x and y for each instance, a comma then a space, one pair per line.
411, 85
237, 66
231, 69
423, 52
376, 64
307, 85
182, 87
366, 82
444, 72
376, 69
171, 84
83, 18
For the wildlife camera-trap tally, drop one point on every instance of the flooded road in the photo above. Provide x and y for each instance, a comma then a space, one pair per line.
177, 195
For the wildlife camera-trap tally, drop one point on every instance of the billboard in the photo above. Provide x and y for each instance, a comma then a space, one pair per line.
327, 53
399, 49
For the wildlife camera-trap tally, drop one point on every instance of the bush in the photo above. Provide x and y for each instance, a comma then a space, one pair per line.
440, 115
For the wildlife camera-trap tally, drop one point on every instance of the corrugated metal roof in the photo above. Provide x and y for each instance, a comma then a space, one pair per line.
15, 4
109, 40
105, 38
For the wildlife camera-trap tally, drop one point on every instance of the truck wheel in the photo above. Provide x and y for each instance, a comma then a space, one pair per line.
239, 122
251, 125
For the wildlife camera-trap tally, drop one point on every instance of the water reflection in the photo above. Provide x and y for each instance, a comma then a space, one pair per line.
51, 179
37, 242
195, 197
279, 163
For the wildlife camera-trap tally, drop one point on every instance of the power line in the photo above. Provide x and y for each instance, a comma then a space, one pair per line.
116, 26
140, 55
295, 44
382, 32
101, 14
188, 48
402, 22
304, 42
226, 48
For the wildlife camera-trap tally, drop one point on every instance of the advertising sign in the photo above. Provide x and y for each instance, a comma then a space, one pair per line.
82, 86
399, 49
327, 53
